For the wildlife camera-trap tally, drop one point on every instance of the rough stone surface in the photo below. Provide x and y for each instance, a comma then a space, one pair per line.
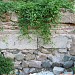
19, 56
57, 64
66, 58
58, 70
72, 49
43, 73
73, 58
9, 55
30, 57
11, 41
25, 64
68, 64
35, 64
63, 50
68, 17
58, 42
45, 51
26, 70
14, 17
32, 70
42, 57
46, 64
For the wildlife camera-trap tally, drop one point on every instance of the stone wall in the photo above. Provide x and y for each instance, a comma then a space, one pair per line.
31, 55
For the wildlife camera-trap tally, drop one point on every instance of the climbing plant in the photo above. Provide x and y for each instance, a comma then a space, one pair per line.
40, 15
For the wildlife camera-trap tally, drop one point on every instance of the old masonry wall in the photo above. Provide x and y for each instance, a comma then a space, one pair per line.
32, 55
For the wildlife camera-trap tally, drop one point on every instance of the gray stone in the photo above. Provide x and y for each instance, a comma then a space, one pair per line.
57, 64
16, 42
9, 55
35, 52
66, 58
26, 70
63, 50
68, 64
58, 42
46, 64
73, 58
17, 63
19, 56
35, 64
43, 73
25, 64
32, 70
15, 51
72, 49
68, 73
58, 70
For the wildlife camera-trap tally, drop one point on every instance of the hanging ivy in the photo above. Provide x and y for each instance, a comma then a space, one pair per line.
40, 15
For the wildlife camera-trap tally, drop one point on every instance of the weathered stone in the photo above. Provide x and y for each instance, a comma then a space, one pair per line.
14, 17
66, 58
68, 73
63, 50
17, 63
46, 64
35, 52
26, 70
35, 64
13, 41
30, 56
45, 51
73, 58
57, 59
72, 49
9, 55
68, 64
32, 70
68, 17
58, 70
28, 51
41, 57
25, 63
19, 56
43, 73
58, 42
57, 64
15, 51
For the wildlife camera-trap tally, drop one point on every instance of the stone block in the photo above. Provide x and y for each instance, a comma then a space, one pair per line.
68, 17
58, 70
35, 64
58, 42
12, 41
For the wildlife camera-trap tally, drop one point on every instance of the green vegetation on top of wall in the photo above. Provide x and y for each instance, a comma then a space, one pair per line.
41, 15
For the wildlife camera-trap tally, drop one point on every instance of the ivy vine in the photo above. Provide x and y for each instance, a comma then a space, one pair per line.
38, 15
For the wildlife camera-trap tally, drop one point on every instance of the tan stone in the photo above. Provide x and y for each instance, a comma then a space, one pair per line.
44, 51
42, 57
30, 56
72, 49
68, 17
